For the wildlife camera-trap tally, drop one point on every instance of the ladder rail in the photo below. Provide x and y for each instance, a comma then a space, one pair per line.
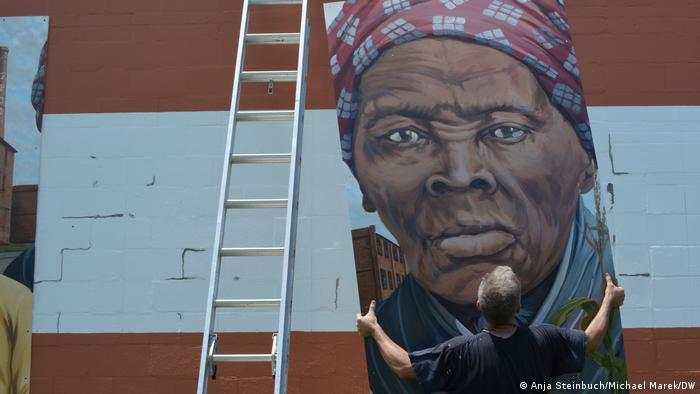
264, 158
280, 352
269, 115
275, 2
259, 251
272, 38
242, 358
267, 76
284, 328
203, 378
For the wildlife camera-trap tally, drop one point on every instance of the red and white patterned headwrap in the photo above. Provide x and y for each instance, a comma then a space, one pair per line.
535, 32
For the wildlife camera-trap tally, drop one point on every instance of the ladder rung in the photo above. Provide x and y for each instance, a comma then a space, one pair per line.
272, 38
260, 158
271, 115
271, 251
261, 303
273, 2
257, 203
266, 76
238, 358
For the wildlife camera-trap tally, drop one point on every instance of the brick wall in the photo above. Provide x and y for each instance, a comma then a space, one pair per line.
146, 56
663, 355
7, 159
168, 364
24, 200
143, 57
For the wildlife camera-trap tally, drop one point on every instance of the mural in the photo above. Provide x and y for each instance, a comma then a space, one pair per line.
23, 55
16, 324
464, 129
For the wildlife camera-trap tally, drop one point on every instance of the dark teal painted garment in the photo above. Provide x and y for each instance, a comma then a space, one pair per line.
416, 320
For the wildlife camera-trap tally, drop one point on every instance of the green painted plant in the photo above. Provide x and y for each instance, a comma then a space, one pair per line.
597, 236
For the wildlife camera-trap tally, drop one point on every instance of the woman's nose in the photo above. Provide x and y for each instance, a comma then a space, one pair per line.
463, 172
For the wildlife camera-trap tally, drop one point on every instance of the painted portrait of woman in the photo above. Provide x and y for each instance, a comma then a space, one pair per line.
465, 127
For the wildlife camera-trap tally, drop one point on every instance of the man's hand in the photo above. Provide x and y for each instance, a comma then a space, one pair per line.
614, 297
395, 356
367, 324
615, 294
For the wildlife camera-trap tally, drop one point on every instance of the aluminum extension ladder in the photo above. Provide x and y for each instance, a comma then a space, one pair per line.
280, 341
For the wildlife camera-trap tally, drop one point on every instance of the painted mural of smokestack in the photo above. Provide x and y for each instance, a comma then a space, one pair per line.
4, 51
7, 154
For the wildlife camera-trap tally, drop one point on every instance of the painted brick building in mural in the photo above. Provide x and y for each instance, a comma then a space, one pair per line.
7, 153
380, 265
108, 315
23, 227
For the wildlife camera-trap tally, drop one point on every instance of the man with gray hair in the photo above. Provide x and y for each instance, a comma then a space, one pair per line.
504, 357
499, 296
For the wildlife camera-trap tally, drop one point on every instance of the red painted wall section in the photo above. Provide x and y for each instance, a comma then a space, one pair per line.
320, 362
169, 363
663, 355
149, 55
178, 55
24, 204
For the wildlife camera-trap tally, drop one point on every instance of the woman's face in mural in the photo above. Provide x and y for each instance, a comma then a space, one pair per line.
467, 163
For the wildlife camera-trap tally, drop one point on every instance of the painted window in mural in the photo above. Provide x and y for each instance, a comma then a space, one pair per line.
23, 56
466, 137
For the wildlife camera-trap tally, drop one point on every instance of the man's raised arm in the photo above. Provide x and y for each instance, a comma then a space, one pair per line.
614, 297
395, 356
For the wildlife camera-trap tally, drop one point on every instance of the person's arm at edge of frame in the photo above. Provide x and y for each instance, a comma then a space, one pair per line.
614, 297
394, 355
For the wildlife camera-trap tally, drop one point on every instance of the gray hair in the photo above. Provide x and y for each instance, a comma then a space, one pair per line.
499, 295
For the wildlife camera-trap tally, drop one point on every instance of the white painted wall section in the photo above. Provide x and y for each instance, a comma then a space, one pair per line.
649, 161
127, 203
127, 212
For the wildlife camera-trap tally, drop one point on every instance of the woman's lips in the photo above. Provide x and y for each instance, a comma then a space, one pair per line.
482, 244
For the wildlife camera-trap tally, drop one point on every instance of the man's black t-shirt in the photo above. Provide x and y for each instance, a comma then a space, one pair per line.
485, 363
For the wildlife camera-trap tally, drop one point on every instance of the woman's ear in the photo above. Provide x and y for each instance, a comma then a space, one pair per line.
367, 204
589, 176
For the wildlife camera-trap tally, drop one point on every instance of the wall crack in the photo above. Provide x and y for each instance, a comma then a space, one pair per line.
62, 253
644, 274
337, 285
114, 215
182, 266
611, 191
612, 163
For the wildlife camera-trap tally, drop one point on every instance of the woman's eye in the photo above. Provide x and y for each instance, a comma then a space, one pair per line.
404, 136
508, 132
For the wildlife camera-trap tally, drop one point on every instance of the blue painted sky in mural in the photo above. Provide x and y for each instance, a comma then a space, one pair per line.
358, 216
24, 36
